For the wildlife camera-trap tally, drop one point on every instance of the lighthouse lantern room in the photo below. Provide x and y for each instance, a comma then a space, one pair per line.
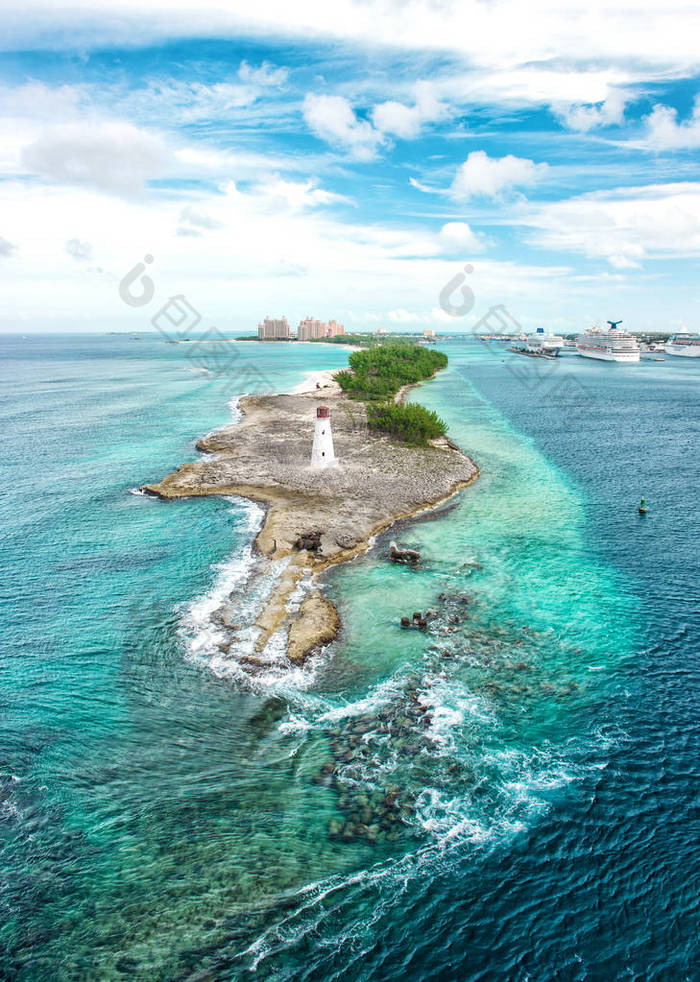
322, 453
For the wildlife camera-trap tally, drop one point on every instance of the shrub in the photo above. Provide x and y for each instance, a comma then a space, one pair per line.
409, 421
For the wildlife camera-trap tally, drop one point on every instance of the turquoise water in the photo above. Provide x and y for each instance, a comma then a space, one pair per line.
526, 767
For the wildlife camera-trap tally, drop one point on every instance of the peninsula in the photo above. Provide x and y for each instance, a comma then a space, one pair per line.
314, 518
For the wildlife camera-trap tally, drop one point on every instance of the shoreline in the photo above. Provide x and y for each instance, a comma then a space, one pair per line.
336, 344
264, 457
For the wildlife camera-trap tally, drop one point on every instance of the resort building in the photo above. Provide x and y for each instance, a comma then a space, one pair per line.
311, 328
273, 330
428, 332
334, 329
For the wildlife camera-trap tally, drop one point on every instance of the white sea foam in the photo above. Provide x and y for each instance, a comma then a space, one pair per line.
294, 724
219, 628
234, 406
453, 706
198, 629
381, 695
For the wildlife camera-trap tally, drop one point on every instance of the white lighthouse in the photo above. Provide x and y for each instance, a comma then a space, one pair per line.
322, 453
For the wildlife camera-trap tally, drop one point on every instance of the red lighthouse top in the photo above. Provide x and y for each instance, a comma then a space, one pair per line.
323, 412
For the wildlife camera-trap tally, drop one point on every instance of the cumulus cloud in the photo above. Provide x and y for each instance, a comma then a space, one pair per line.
459, 236
481, 175
583, 118
403, 121
664, 132
332, 118
79, 250
116, 157
6, 248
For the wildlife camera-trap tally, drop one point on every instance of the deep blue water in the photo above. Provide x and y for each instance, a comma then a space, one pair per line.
159, 819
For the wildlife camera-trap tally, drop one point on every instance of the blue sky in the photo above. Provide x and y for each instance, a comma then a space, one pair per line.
347, 160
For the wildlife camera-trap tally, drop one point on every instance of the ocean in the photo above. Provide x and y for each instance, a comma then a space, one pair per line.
531, 762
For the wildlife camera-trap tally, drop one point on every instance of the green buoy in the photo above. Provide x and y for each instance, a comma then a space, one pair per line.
642, 507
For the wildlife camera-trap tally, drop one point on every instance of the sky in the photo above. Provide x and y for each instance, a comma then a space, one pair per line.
350, 160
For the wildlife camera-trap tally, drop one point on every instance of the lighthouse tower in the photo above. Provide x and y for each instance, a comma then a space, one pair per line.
322, 453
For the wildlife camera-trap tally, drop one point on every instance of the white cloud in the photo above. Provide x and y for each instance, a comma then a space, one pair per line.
6, 248
225, 272
583, 118
425, 188
397, 119
502, 34
459, 236
481, 175
664, 132
180, 100
194, 222
264, 76
36, 101
332, 118
563, 84
79, 250
618, 261
404, 121
623, 226
199, 219
402, 316
114, 157
294, 196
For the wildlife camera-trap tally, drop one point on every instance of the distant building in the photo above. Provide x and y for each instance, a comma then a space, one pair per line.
381, 330
334, 329
428, 332
273, 330
310, 328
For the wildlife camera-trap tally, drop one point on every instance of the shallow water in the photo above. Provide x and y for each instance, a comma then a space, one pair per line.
507, 795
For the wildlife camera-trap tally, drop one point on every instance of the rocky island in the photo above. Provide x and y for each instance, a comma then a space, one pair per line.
314, 518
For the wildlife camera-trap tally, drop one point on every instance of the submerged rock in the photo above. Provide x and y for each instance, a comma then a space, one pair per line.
409, 557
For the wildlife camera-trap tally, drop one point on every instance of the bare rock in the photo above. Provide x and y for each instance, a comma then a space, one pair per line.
318, 623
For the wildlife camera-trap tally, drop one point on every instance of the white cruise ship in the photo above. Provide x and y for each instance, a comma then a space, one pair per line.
540, 343
611, 345
686, 345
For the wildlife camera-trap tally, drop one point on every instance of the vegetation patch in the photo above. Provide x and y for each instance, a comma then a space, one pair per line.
358, 340
373, 340
376, 375
408, 421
